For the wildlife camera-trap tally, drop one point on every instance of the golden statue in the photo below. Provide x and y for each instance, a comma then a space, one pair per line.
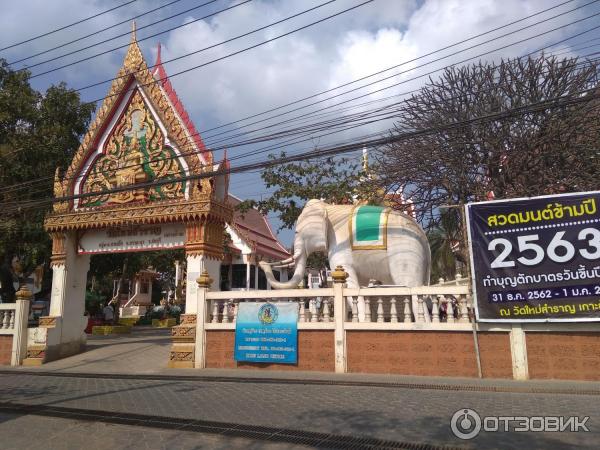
129, 172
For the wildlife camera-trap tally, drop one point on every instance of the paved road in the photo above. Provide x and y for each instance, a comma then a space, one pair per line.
391, 414
119, 395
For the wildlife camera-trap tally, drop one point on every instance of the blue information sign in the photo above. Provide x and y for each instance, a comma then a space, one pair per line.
267, 332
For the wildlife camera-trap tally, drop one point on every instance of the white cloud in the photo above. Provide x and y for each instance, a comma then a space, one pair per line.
373, 37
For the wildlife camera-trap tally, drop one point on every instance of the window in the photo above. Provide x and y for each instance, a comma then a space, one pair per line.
238, 276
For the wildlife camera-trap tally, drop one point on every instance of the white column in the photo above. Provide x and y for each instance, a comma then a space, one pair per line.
200, 343
518, 351
67, 302
256, 277
248, 275
339, 309
195, 265
19, 348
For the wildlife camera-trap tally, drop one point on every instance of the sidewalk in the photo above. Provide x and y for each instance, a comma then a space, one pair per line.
145, 353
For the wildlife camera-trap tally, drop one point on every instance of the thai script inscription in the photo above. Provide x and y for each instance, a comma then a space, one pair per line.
551, 212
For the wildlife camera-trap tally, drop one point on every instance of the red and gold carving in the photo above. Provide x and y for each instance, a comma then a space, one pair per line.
136, 152
205, 238
183, 333
188, 319
47, 322
59, 253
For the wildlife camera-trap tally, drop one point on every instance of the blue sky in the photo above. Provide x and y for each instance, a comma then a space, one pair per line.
370, 38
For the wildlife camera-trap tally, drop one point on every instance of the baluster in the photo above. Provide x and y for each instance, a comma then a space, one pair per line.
440, 280
236, 306
302, 311
458, 278
326, 316
449, 310
225, 312
354, 309
435, 309
215, 313
367, 309
379, 310
393, 312
314, 314
11, 324
1, 319
407, 314
463, 311
420, 310
5, 320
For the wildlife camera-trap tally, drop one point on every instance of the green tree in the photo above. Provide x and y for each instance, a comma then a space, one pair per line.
38, 133
335, 180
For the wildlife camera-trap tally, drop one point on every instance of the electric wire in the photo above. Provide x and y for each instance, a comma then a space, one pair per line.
496, 50
66, 26
583, 96
103, 30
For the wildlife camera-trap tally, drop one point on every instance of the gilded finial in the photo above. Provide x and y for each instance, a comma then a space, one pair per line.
133, 36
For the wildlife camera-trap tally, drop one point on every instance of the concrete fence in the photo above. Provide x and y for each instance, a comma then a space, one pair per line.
427, 331
13, 329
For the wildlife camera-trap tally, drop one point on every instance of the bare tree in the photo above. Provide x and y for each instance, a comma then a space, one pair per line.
547, 151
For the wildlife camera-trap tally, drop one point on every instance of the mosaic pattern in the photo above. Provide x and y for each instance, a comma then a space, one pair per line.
135, 153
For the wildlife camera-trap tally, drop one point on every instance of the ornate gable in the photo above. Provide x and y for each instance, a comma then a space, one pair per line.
138, 136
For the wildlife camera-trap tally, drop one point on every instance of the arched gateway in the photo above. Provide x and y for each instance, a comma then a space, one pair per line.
117, 196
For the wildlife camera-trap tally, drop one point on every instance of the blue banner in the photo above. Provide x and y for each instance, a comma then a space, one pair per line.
267, 332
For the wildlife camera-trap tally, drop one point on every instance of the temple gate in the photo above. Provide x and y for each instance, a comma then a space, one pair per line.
127, 189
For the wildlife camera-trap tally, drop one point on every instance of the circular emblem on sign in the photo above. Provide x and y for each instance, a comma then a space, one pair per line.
267, 314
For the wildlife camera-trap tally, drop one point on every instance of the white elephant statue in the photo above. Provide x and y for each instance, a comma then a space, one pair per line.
370, 242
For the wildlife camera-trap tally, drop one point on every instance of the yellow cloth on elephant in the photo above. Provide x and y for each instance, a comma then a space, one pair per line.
368, 227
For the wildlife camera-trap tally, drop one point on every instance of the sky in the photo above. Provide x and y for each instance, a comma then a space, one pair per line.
355, 44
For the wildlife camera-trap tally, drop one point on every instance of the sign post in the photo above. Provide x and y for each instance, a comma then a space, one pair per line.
536, 259
267, 332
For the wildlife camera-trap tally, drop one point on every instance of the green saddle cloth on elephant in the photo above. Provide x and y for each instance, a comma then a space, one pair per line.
368, 227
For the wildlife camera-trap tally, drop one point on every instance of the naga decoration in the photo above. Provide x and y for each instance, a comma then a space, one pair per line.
135, 153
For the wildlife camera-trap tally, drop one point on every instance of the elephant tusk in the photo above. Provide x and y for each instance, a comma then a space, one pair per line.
285, 262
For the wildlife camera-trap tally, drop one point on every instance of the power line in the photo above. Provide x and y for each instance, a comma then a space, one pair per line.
270, 137
103, 30
583, 96
256, 30
563, 40
126, 45
67, 26
387, 69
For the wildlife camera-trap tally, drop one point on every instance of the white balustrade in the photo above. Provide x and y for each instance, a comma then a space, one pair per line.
326, 316
435, 309
449, 310
407, 313
463, 311
302, 315
393, 312
215, 313
225, 312
420, 310
380, 318
314, 317
367, 309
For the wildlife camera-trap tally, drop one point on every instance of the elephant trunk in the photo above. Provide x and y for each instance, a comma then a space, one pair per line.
291, 283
